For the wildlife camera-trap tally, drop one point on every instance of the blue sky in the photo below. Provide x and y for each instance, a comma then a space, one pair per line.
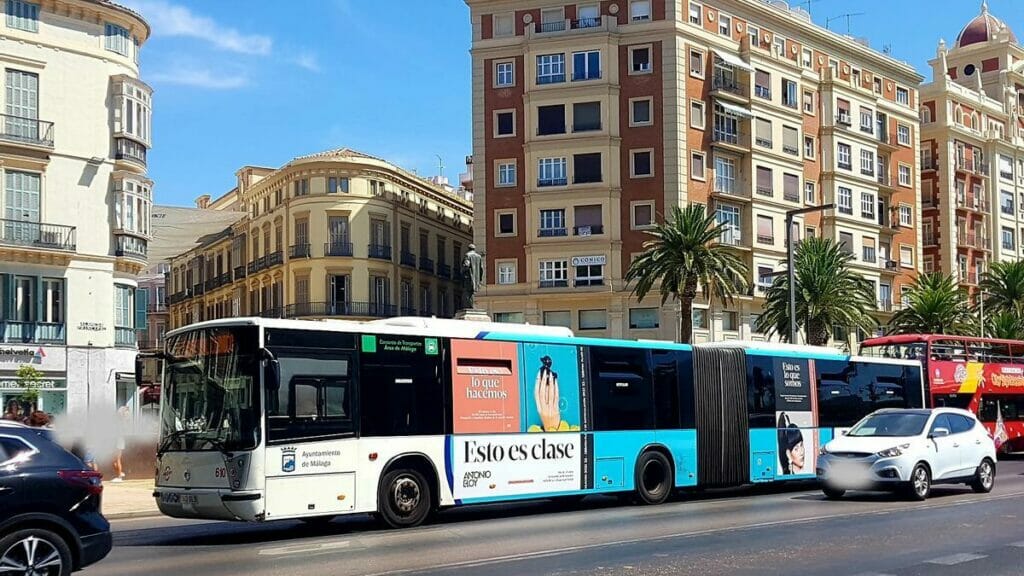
245, 82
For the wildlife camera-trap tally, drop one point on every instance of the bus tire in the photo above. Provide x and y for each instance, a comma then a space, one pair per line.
404, 498
654, 479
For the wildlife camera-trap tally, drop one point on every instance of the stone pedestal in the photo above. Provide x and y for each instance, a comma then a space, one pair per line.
472, 315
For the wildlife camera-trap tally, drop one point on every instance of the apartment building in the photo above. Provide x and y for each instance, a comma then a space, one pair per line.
972, 152
334, 234
592, 120
75, 220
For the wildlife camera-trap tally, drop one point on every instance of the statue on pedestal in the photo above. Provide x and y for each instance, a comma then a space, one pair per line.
472, 276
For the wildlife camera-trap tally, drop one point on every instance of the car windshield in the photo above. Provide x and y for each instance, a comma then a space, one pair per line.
890, 424
209, 397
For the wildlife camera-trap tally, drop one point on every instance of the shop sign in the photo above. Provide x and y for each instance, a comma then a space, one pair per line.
8, 383
589, 260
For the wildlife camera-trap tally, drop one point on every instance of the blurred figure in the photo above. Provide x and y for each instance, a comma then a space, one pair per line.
38, 419
83, 454
13, 411
123, 415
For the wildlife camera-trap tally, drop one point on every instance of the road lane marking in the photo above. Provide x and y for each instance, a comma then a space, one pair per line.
692, 534
305, 548
1018, 544
954, 559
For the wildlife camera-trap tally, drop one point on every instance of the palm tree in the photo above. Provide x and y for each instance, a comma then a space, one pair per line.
828, 294
1004, 325
937, 306
1003, 287
682, 254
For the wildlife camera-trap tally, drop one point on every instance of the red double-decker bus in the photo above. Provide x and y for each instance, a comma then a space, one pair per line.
983, 375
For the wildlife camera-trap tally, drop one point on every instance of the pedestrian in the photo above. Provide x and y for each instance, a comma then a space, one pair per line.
83, 454
13, 411
38, 419
122, 431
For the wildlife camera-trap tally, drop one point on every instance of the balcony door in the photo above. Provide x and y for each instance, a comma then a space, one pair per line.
21, 207
338, 293
22, 105
337, 227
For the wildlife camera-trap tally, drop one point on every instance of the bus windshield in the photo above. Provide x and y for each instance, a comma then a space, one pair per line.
209, 399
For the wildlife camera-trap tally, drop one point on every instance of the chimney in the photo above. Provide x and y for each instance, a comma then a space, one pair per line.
203, 202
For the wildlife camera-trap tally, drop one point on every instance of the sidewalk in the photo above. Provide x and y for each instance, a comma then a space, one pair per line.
129, 499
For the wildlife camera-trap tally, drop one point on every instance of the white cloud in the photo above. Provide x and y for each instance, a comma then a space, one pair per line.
169, 19
307, 61
199, 78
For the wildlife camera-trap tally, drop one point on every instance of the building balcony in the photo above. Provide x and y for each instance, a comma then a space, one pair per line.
16, 332
884, 180
211, 284
763, 239
549, 182
257, 265
763, 92
125, 337
130, 151
426, 264
325, 309
729, 140
131, 247
223, 279
26, 131
931, 240
726, 86
444, 270
198, 289
239, 272
552, 232
591, 230
765, 191
844, 120
378, 251
299, 251
973, 240
274, 259
37, 235
889, 265
556, 26
578, 26
584, 282
972, 167
407, 259
338, 249
973, 204
885, 305
931, 165
731, 238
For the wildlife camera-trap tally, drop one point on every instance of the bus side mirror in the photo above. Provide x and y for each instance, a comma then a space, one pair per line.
271, 371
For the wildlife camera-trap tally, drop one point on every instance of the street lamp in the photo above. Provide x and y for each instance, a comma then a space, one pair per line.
789, 257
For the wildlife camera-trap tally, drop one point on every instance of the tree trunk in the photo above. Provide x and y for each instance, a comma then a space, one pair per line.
817, 333
685, 319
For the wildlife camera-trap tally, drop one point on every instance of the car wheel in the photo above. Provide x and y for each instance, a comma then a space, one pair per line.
35, 551
833, 493
920, 484
404, 498
653, 478
984, 477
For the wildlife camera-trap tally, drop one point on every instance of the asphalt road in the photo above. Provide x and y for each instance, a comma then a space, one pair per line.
790, 530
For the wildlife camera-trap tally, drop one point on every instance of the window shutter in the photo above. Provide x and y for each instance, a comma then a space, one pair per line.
7, 291
141, 304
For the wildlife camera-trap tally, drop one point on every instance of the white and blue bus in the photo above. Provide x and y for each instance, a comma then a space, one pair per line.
266, 419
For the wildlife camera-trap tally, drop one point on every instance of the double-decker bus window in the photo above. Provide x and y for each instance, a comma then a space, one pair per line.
1011, 407
962, 401
761, 392
403, 391
622, 389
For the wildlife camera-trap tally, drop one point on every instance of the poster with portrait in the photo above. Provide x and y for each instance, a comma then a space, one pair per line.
551, 388
794, 415
485, 387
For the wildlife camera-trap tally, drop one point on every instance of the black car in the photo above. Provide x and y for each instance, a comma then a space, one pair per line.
50, 520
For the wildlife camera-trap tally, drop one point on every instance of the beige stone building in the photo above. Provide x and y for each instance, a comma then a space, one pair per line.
334, 234
972, 152
592, 120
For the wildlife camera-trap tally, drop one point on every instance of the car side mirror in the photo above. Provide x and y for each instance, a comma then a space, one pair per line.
846, 432
939, 433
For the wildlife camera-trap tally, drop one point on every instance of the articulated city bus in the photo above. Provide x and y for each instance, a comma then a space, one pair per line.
983, 375
266, 419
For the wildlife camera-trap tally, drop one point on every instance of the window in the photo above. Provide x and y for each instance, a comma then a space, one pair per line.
789, 93
335, 185
700, 319
697, 165
554, 273
550, 68
763, 84
902, 96
1006, 202
725, 175
808, 102
807, 58
124, 300
643, 318
724, 24
643, 215
586, 168
867, 120
765, 277
846, 242
558, 318
790, 140
509, 317
697, 114
505, 74
867, 162
765, 230
53, 301
843, 157
730, 321
907, 256
504, 125
903, 134
763, 132
640, 112
833, 65
754, 34
845, 200
641, 164
867, 205
506, 174
552, 223
586, 116
133, 100
641, 59
506, 272
640, 10
728, 217
905, 215
790, 187
843, 112
1008, 243
809, 147
587, 220
779, 45
696, 63
589, 275
696, 13
506, 225
551, 172
23, 15
904, 175
551, 120
504, 25
877, 84
765, 185
810, 196
1005, 167
622, 389
586, 65
116, 39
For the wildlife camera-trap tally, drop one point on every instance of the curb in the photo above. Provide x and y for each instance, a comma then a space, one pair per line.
133, 515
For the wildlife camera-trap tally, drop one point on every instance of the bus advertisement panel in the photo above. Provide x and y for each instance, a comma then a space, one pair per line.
795, 413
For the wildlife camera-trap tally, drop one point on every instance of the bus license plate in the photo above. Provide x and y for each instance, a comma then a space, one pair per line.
178, 498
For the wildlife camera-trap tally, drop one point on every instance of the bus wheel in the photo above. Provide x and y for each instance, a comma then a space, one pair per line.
404, 498
653, 478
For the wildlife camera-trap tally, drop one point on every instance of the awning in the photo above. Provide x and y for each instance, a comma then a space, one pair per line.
734, 109
734, 61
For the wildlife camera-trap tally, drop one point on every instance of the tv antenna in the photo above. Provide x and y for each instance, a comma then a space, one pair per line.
806, 4
440, 165
848, 18
887, 49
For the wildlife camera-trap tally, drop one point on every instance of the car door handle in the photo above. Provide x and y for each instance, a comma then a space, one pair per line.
956, 445
977, 442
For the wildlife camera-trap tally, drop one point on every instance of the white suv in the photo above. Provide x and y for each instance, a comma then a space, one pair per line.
909, 450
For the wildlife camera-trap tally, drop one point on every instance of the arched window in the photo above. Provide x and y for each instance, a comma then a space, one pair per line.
926, 115
959, 115
974, 121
